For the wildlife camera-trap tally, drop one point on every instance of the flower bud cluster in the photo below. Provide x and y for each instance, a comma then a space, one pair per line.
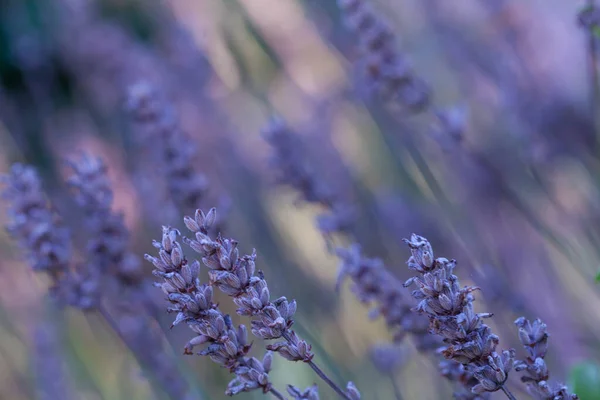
534, 337
192, 301
449, 307
236, 276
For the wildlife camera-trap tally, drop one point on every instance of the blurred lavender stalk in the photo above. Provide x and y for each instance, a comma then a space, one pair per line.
162, 134
47, 357
46, 241
120, 276
387, 73
450, 310
158, 133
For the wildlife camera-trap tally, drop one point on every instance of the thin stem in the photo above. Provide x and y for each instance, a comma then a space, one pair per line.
397, 393
508, 393
322, 374
325, 378
277, 394
113, 324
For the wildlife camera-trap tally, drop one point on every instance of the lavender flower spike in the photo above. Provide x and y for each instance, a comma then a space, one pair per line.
534, 337
192, 302
175, 150
116, 270
236, 276
388, 73
450, 310
42, 235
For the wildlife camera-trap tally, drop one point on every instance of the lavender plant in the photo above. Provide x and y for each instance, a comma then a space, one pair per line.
161, 132
468, 340
294, 169
372, 281
84, 53
43, 236
387, 72
192, 301
449, 307
107, 254
116, 270
236, 276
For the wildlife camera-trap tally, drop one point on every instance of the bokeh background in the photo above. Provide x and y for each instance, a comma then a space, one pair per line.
516, 202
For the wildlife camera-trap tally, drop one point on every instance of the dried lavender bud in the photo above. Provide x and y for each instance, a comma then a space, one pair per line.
352, 391
465, 381
223, 343
311, 393
387, 72
450, 310
534, 337
294, 350
236, 276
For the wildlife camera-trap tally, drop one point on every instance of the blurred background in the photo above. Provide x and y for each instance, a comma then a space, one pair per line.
501, 172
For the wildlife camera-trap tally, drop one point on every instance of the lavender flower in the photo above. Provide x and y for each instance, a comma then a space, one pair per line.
41, 233
157, 119
37, 227
289, 159
107, 246
115, 269
450, 310
387, 72
192, 301
534, 337
236, 276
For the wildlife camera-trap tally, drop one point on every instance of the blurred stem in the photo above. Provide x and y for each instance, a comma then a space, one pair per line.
397, 392
102, 310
